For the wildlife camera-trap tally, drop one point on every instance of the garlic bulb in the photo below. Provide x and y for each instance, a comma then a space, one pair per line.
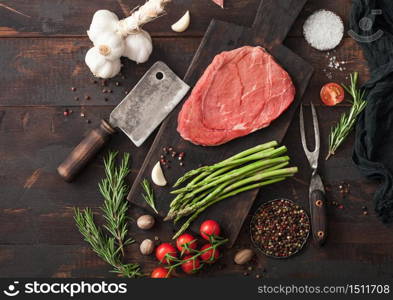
113, 38
138, 46
110, 45
183, 23
100, 66
103, 21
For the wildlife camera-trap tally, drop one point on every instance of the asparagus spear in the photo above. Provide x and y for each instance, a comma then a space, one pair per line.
233, 174
259, 177
233, 193
224, 162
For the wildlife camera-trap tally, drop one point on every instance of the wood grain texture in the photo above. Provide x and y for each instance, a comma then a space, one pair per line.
43, 18
39, 72
38, 206
37, 234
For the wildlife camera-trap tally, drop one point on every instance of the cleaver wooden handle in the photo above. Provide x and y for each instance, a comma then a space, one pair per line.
85, 151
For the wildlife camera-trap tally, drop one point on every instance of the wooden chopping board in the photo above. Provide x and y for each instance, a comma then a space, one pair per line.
273, 20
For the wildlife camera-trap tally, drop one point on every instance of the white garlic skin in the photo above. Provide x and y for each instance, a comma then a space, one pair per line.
138, 46
183, 23
100, 66
157, 175
110, 45
103, 21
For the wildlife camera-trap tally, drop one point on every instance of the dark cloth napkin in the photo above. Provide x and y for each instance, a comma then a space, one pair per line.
373, 150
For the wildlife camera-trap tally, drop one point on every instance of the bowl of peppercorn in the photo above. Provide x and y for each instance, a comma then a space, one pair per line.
280, 228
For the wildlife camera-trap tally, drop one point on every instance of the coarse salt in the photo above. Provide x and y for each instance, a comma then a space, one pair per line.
323, 30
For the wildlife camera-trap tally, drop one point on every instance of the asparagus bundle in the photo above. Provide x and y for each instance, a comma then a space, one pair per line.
256, 167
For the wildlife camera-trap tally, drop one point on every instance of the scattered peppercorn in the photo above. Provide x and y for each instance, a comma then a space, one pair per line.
87, 97
104, 91
181, 164
82, 115
76, 98
104, 83
109, 91
126, 92
73, 89
117, 83
106, 99
88, 121
280, 228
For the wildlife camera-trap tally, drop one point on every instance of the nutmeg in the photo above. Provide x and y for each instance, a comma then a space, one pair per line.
146, 247
243, 256
145, 222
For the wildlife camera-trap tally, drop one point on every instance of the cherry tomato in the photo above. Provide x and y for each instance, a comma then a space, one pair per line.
207, 256
191, 266
160, 272
163, 250
208, 228
332, 94
186, 239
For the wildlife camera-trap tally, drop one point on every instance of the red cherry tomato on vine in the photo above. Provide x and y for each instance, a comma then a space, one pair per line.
186, 239
206, 257
160, 272
163, 250
332, 94
208, 228
191, 266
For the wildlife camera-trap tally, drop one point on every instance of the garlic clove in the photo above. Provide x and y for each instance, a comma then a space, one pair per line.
103, 21
110, 45
157, 175
138, 46
100, 66
183, 23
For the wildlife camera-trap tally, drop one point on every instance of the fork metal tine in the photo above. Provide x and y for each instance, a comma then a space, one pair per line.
314, 155
316, 130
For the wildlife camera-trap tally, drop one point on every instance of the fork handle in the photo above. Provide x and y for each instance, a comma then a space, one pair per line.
318, 217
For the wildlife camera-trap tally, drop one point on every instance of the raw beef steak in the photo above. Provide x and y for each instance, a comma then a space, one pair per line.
241, 91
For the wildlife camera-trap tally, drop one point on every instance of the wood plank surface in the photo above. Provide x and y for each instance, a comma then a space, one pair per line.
39, 72
39, 205
42, 58
43, 18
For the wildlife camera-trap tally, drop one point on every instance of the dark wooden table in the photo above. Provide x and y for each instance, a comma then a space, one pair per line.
42, 49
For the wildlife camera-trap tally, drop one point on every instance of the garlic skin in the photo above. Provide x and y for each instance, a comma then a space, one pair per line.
138, 46
183, 23
157, 175
103, 21
110, 45
100, 66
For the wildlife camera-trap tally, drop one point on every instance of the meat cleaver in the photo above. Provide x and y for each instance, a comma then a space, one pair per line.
138, 114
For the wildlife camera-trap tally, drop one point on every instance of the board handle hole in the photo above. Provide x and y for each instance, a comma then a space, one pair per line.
159, 75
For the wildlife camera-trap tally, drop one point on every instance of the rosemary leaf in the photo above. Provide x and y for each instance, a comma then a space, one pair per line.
149, 194
347, 122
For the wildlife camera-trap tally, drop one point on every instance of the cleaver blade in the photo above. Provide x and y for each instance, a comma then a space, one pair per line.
150, 101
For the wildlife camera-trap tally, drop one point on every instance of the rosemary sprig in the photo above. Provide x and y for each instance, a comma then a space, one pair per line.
149, 194
102, 245
348, 120
110, 247
114, 190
